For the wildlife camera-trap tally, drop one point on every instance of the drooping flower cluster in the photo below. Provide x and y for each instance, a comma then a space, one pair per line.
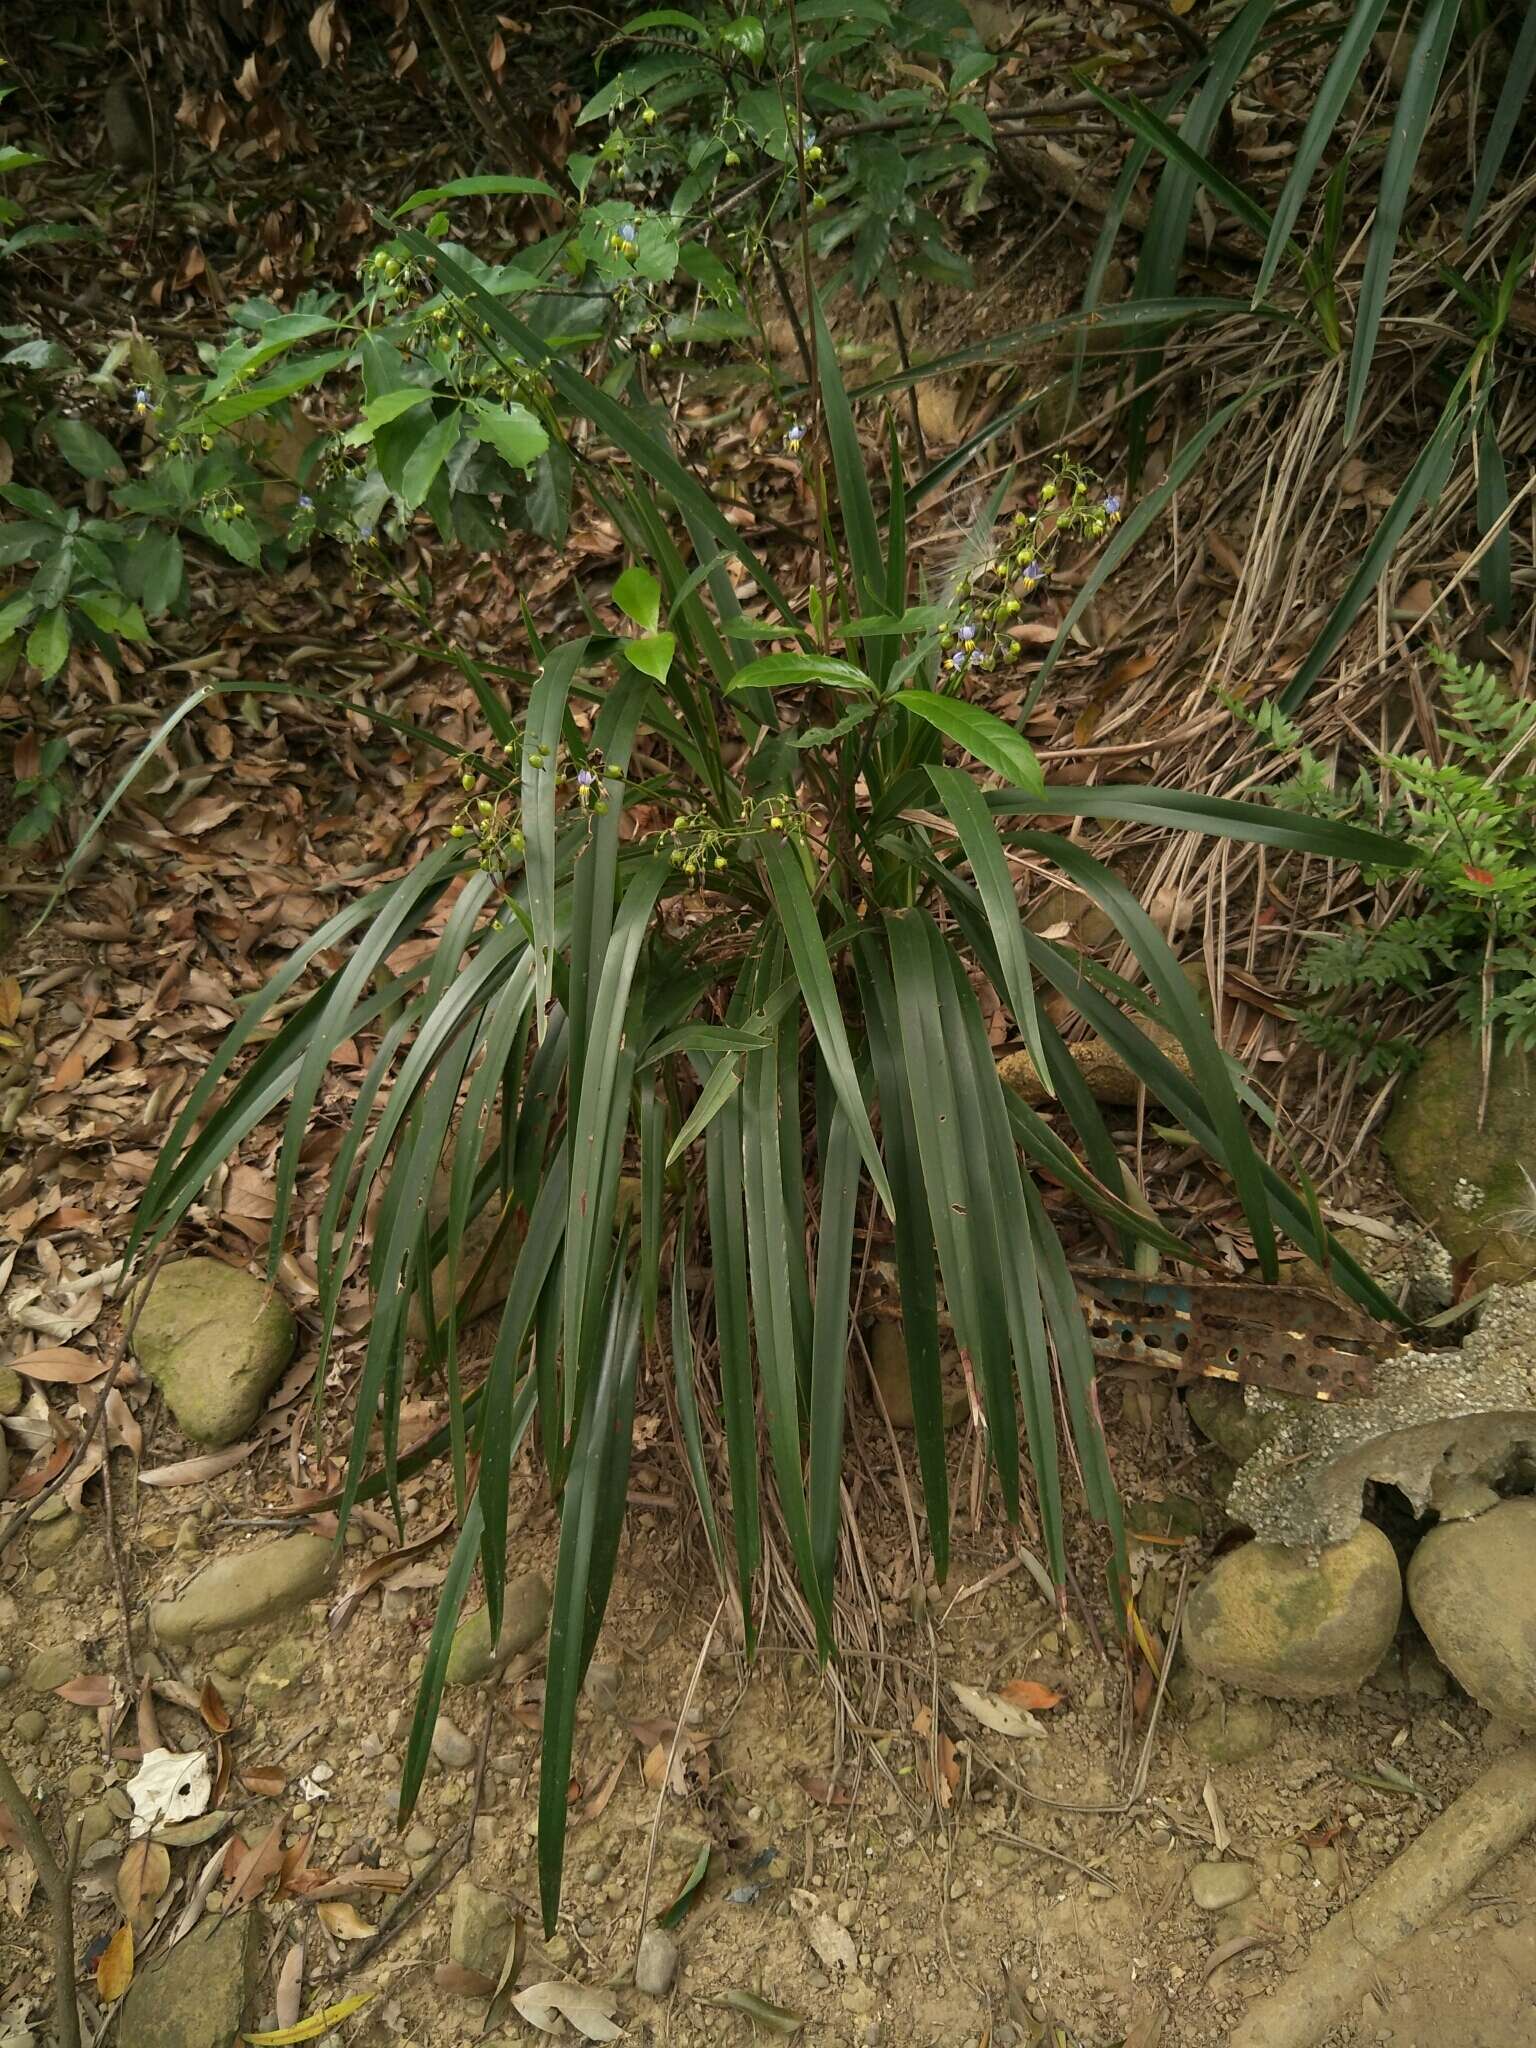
703, 847
1069, 504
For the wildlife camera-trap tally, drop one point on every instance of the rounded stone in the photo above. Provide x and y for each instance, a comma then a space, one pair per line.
52, 1667
56, 1539
524, 1617
1270, 1620
12, 1392
215, 1340
1231, 1731
245, 1587
451, 1746
657, 1963
1472, 1587
31, 1726
1215, 1886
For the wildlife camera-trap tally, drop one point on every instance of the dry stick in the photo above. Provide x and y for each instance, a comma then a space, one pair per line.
57, 1880
1485, 1823
661, 1797
118, 1348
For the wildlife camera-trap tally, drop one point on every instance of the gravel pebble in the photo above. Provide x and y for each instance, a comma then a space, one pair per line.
657, 1964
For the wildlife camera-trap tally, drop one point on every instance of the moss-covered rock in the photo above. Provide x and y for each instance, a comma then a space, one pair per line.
1467, 1178
215, 1340
1269, 1620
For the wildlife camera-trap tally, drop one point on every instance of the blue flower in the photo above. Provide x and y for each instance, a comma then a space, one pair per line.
365, 533
141, 394
967, 632
584, 778
306, 502
1112, 505
794, 435
627, 232
1034, 572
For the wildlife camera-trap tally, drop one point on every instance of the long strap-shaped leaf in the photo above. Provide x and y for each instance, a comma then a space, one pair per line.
829, 1341
1322, 122
914, 1245
499, 1436
588, 1521
1513, 100
998, 1195
807, 949
1415, 106
952, 1147
1182, 810
1208, 1063
595, 1153
541, 741
395, 919
1167, 230
684, 1368
1422, 485
773, 1318
989, 865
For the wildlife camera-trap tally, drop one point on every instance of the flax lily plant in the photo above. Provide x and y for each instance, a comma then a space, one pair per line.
710, 933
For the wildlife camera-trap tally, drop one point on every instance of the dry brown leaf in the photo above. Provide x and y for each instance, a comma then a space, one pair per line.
10, 1000
606, 1787
461, 1981
264, 1781
824, 1791
289, 1998
1029, 1693
142, 1877
1003, 1717
210, 1704
189, 1471
114, 1966
345, 1922
94, 1689
255, 1866
60, 1362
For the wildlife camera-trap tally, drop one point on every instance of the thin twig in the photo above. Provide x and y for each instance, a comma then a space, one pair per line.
661, 1797
57, 1881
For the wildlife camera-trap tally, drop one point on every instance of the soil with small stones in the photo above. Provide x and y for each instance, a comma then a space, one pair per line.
992, 1907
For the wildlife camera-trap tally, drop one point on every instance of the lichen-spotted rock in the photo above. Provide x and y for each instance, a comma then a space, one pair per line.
1462, 1161
1276, 1623
199, 1993
1472, 1588
215, 1340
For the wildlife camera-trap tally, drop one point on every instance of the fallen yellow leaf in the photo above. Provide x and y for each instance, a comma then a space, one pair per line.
311, 2029
114, 1966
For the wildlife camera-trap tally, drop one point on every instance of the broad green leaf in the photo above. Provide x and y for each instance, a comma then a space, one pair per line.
796, 671
113, 615
378, 412
511, 430
48, 643
652, 654
486, 187
421, 466
638, 596
85, 450
985, 736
